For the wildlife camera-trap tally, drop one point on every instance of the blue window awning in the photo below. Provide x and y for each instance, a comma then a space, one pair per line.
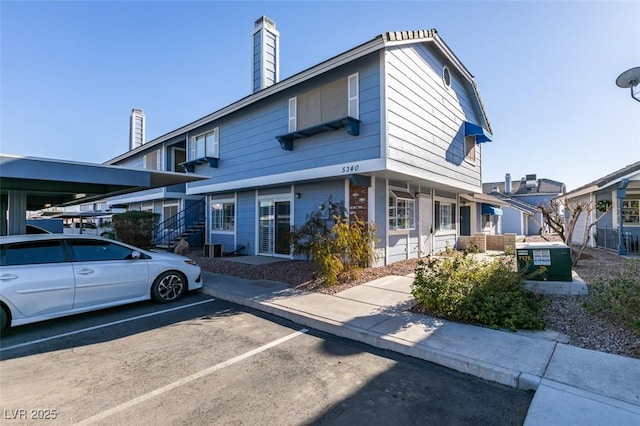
481, 135
488, 209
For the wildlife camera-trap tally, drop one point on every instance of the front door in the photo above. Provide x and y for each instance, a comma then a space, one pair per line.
274, 228
425, 225
465, 220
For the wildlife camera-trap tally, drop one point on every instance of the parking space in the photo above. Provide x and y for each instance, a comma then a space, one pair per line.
206, 361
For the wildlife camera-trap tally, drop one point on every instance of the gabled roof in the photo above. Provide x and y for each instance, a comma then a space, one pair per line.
381, 41
608, 180
518, 187
516, 203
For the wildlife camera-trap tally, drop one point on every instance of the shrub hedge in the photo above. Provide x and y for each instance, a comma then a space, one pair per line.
459, 288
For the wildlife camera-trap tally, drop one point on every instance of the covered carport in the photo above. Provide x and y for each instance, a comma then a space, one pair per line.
30, 184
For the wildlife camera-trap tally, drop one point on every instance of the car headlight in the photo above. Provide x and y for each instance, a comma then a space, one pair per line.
191, 262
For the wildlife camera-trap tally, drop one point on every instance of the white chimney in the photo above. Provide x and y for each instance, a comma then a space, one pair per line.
507, 183
266, 54
136, 128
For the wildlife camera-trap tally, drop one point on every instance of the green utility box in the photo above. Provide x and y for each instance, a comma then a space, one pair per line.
551, 260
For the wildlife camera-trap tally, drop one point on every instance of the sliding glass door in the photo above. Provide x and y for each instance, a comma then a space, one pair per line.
274, 228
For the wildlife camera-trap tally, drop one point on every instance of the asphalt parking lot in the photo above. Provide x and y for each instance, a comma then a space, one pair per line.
206, 361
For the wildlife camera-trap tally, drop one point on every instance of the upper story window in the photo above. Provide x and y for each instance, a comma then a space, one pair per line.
330, 102
204, 145
153, 160
470, 148
402, 210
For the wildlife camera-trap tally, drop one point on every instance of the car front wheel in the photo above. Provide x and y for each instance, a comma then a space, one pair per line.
168, 287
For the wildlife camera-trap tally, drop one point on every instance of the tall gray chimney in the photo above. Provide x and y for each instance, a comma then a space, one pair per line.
507, 183
266, 54
136, 128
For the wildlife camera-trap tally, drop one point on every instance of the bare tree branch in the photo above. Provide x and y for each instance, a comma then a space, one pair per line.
562, 216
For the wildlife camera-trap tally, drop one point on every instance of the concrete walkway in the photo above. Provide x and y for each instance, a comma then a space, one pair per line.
573, 386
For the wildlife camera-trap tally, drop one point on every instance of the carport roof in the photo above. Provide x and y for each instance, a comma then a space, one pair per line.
49, 182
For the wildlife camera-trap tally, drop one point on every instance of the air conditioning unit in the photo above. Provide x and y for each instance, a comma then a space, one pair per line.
213, 250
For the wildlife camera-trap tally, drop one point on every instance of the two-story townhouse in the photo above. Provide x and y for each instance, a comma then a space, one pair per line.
391, 127
522, 198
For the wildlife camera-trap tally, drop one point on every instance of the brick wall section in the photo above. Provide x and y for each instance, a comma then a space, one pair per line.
479, 240
495, 242
486, 242
509, 242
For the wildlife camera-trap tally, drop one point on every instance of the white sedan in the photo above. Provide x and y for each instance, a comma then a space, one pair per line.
53, 275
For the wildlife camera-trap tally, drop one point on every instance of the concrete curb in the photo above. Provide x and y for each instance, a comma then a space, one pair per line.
487, 371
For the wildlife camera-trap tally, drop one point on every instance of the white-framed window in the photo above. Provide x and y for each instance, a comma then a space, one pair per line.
631, 212
146, 207
325, 103
445, 215
205, 145
402, 211
223, 215
353, 93
169, 210
153, 160
293, 112
470, 149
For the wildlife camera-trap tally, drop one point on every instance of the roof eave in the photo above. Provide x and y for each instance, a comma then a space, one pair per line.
379, 42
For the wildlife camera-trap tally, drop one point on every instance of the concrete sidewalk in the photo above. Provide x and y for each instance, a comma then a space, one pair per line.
573, 386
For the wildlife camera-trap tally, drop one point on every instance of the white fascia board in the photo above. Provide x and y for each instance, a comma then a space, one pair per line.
632, 176
141, 198
334, 171
575, 194
419, 174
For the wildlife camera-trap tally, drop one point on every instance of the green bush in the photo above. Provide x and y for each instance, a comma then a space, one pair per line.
136, 227
340, 248
618, 296
316, 228
459, 288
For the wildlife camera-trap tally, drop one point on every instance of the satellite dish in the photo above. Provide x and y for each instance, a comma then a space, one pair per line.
629, 78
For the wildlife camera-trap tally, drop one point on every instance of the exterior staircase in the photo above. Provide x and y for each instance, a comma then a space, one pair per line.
188, 224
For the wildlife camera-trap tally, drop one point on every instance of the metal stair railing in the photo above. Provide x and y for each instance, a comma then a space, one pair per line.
172, 228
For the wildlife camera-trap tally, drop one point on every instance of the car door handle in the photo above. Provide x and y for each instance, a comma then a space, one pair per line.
85, 271
8, 277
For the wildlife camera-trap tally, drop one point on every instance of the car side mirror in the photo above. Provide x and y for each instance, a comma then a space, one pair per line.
136, 255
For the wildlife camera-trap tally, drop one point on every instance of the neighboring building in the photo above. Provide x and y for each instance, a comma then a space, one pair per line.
393, 128
136, 128
623, 214
524, 196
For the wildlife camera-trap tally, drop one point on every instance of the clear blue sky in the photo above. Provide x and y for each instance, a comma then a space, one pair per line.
72, 71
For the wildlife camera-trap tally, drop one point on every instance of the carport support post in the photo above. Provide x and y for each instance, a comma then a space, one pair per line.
17, 217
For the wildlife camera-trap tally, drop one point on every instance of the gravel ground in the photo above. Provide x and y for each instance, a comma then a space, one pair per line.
564, 313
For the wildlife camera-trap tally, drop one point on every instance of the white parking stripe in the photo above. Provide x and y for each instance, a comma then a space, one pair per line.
71, 333
185, 380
